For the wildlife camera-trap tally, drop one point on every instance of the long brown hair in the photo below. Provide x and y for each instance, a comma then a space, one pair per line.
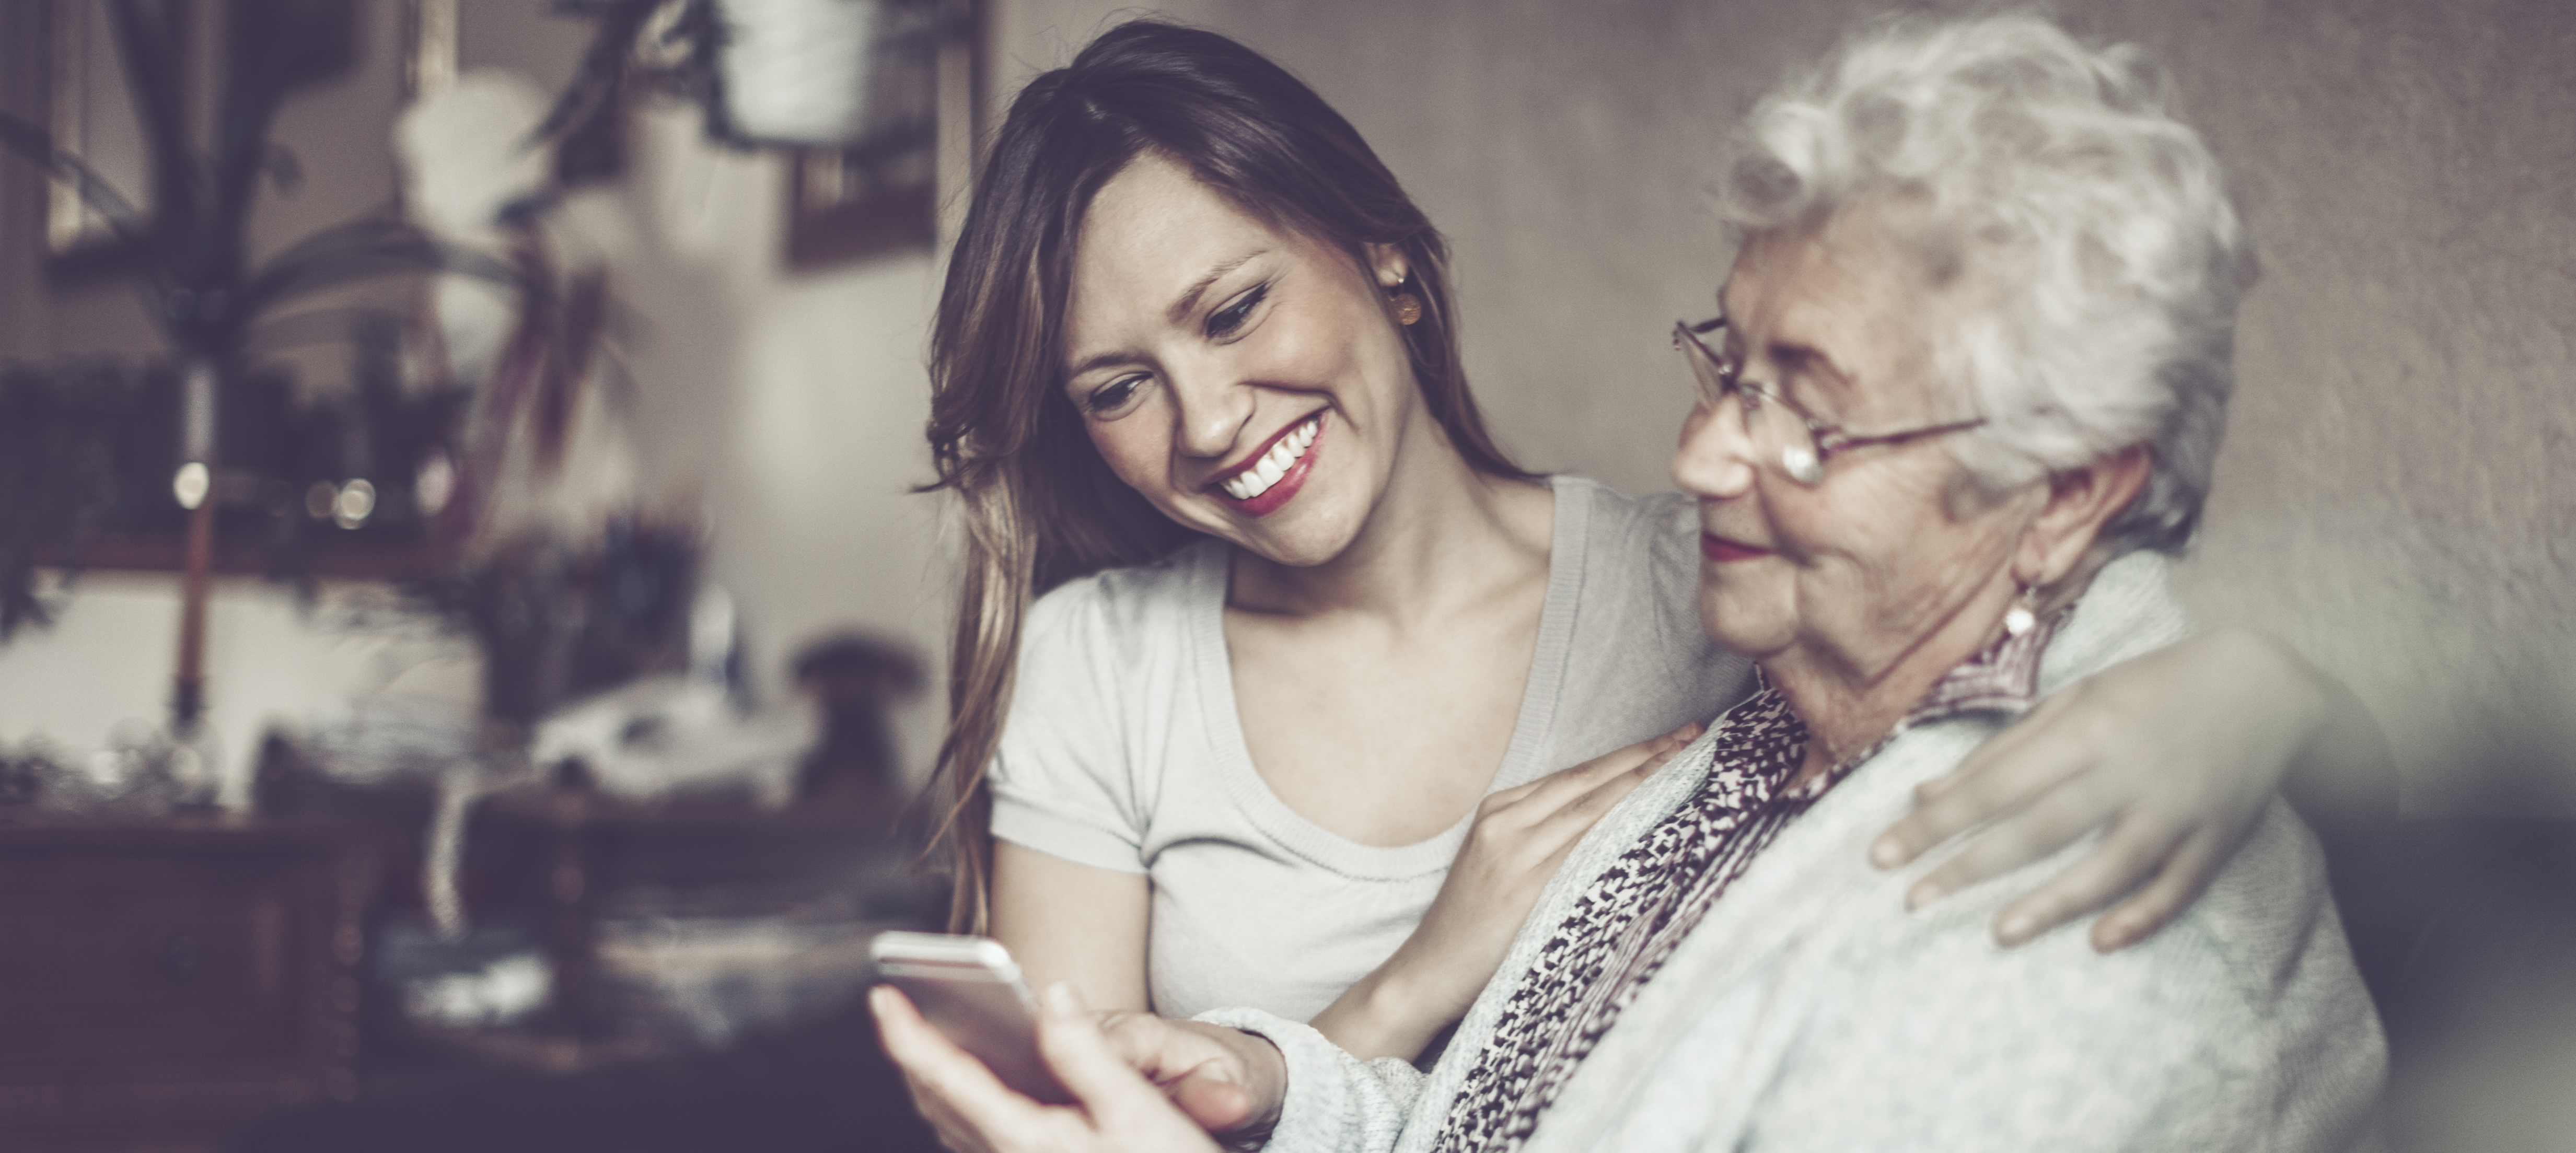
1040, 506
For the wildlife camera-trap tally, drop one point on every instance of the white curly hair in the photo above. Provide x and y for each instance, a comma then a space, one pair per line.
2092, 230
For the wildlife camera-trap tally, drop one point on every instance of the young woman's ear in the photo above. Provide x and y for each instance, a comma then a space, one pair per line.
1387, 266
2080, 502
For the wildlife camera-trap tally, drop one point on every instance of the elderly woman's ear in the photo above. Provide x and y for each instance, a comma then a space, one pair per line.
2059, 542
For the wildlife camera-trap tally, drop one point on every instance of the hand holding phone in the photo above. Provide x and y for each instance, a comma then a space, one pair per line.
971, 991
1120, 1111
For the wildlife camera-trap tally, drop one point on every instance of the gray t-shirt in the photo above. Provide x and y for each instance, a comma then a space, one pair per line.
1123, 751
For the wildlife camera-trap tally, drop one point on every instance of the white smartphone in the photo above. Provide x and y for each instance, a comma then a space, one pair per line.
969, 989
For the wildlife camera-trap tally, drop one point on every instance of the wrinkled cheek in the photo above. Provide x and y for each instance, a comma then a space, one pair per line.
1843, 609
1885, 613
1711, 618
1884, 605
1754, 615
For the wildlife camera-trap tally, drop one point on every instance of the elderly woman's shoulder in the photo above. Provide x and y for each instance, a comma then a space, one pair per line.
2259, 960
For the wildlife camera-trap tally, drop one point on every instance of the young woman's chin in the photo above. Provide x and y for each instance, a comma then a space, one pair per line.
1316, 524
1297, 537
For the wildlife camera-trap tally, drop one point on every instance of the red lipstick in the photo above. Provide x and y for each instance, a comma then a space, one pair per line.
1280, 493
1722, 550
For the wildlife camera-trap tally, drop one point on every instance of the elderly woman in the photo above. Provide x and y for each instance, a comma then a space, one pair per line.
1963, 400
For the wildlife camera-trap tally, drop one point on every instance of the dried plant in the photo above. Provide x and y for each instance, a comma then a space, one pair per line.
189, 261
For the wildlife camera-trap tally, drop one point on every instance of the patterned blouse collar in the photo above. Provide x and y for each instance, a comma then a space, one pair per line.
1632, 916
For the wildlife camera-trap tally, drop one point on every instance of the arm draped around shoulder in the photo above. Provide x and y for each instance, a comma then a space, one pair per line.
2229, 1031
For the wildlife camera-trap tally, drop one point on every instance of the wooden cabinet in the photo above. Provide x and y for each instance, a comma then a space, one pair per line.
162, 982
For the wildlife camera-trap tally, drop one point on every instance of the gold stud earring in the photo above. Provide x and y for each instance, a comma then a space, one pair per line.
1408, 308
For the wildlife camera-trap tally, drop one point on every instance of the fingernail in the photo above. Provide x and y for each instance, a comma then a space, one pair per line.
1921, 895
1886, 853
1061, 998
2016, 929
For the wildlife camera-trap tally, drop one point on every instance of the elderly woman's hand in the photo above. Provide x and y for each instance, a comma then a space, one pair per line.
2175, 754
1208, 1078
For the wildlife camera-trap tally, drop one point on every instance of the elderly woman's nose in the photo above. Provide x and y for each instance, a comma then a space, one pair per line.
1715, 458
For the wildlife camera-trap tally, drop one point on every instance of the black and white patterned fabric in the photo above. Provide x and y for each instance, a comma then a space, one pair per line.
1638, 910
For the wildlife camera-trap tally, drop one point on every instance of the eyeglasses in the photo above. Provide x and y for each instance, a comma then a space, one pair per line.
1775, 424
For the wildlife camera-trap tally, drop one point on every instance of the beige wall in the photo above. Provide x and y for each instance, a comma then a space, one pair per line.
2393, 499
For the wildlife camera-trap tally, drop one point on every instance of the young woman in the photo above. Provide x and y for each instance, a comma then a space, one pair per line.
1268, 658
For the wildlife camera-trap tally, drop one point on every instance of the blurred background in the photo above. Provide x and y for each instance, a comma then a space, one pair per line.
641, 409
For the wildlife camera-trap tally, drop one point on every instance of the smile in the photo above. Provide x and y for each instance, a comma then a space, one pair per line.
1256, 479
1722, 550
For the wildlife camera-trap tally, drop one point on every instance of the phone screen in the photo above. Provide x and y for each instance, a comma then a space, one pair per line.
969, 989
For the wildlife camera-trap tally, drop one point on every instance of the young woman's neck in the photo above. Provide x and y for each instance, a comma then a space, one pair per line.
1441, 534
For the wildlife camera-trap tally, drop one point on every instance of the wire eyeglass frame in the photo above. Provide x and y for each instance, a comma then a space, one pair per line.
1804, 463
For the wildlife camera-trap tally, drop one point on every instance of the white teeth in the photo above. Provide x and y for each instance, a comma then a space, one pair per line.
1254, 481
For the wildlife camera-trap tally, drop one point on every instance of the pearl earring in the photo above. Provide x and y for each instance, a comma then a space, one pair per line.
2024, 613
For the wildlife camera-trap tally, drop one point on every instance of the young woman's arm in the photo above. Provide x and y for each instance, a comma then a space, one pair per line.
2174, 755
1520, 836
1073, 923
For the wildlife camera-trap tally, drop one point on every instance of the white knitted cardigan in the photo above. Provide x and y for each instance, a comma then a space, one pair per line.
1809, 1011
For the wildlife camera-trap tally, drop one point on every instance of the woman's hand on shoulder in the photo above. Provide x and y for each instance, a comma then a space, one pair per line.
1519, 838
2173, 754
1119, 1109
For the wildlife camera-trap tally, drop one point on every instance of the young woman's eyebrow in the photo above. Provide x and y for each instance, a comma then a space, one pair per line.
1190, 300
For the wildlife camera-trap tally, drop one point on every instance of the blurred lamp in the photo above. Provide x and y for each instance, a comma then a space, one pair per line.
793, 73
796, 71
